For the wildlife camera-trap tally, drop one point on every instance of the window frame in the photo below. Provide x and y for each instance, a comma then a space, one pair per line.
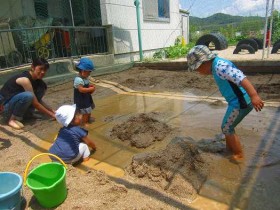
156, 16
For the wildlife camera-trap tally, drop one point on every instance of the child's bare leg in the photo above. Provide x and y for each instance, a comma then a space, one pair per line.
234, 144
91, 118
228, 146
86, 159
85, 119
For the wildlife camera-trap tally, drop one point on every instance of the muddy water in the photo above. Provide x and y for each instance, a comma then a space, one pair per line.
253, 184
244, 185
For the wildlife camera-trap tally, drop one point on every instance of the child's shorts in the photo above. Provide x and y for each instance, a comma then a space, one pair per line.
87, 110
84, 152
233, 117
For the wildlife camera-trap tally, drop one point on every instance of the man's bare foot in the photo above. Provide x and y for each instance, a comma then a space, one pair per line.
15, 124
19, 123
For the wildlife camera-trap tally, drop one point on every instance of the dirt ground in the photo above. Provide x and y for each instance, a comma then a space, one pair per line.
141, 131
96, 190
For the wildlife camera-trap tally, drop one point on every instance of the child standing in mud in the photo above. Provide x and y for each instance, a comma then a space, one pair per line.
235, 88
72, 142
83, 90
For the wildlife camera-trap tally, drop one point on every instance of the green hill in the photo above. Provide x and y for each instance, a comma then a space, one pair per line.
218, 20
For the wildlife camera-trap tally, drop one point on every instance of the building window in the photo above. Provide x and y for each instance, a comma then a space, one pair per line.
41, 8
156, 10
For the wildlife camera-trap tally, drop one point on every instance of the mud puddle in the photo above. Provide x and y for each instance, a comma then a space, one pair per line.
199, 123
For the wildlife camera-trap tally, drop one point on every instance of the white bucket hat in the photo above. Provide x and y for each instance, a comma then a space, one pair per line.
65, 114
197, 55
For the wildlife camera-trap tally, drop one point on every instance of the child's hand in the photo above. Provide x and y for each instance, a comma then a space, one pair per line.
93, 146
92, 88
89, 142
257, 103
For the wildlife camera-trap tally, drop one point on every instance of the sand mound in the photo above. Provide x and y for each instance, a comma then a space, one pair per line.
179, 169
141, 130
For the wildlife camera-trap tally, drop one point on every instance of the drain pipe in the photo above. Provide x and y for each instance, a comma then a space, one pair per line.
137, 4
72, 16
72, 32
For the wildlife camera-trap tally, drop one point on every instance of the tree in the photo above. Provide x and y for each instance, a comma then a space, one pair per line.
275, 26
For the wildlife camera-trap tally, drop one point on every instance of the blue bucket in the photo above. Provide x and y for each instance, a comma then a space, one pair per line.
10, 190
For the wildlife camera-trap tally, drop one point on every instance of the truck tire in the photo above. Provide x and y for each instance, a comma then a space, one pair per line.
241, 47
251, 42
224, 40
259, 42
275, 48
277, 41
208, 38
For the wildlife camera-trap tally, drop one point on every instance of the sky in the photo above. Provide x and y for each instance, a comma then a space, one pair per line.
205, 8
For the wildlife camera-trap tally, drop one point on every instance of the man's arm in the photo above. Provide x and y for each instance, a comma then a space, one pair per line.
25, 83
47, 106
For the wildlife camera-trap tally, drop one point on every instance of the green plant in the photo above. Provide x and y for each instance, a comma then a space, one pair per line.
160, 54
275, 26
235, 40
149, 59
176, 51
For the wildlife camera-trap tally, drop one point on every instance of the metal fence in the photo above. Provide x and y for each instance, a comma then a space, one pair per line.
20, 46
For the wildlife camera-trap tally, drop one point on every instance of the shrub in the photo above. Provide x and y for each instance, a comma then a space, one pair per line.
176, 51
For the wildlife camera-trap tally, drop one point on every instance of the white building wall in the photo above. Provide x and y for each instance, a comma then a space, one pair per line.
28, 8
155, 35
10, 9
16, 8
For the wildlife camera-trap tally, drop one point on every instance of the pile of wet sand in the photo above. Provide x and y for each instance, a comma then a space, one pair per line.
141, 130
179, 169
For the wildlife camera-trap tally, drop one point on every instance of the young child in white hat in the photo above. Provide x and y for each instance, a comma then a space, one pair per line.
72, 142
235, 88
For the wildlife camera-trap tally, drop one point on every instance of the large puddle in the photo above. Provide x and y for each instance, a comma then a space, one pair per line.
243, 185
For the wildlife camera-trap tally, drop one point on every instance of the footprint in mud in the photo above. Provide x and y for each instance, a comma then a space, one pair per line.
211, 145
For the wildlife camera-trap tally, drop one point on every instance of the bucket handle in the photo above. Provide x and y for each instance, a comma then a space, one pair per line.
28, 165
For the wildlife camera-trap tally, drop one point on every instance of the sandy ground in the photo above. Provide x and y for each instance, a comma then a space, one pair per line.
244, 55
95, 190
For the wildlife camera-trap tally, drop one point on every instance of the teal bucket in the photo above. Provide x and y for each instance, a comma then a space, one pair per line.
10, 190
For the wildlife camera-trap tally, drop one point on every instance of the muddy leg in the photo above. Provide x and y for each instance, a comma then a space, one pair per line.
228, 146
234, 144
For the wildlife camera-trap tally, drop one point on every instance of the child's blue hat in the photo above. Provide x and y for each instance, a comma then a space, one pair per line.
85, 64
